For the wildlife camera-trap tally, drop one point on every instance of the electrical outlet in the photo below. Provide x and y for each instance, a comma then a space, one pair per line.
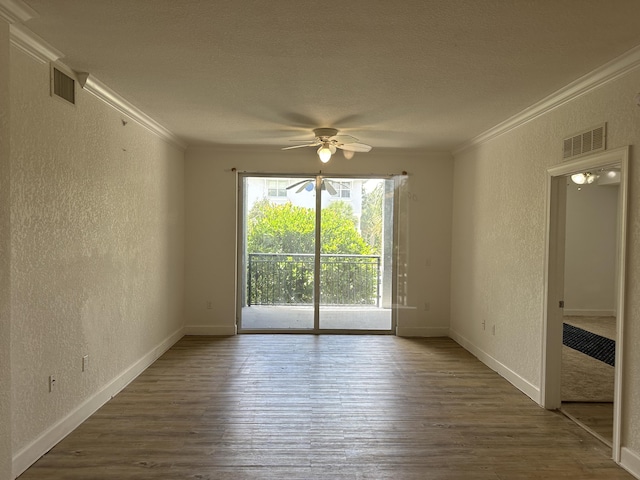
85, 363
52, 383
484, 325
493, 330
209, 304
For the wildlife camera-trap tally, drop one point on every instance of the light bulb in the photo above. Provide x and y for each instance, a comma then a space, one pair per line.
579, 178
324, 152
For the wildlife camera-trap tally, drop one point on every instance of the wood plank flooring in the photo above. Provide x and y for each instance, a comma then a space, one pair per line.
587, 383
596, 417
323, 407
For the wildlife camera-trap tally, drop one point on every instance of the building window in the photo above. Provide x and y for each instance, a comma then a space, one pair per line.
277, 188
343, 189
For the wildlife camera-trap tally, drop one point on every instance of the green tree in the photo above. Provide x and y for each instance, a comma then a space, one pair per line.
289, 279
371, 220
286, 228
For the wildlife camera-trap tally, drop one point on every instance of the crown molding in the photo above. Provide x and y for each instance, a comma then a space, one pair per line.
104, 93
16, 11
600, 76
30, 43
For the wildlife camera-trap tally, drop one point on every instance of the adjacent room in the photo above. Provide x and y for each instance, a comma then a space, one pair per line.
339, 240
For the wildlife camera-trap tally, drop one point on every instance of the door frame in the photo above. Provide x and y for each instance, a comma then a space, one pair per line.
240, 277
550, 393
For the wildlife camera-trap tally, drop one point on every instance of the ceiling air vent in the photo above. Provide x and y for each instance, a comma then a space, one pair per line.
63, 86
589, 141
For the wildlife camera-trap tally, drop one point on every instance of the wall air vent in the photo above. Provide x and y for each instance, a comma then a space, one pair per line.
63, 86
589, 141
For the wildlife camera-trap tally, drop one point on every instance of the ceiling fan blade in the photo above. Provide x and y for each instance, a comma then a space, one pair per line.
305, 181
306, 184
345, 139
356, 147
300, 146
329, 187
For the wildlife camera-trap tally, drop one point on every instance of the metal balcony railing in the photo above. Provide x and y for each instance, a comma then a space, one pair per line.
287, 279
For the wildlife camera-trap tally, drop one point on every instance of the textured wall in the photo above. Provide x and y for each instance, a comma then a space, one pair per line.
97, 247
499, 229
5, 306
590, 256
211, 226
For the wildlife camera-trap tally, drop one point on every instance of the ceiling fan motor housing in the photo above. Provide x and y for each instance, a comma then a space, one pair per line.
325, 132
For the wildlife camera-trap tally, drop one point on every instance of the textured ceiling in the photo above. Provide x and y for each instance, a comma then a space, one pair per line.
426, 74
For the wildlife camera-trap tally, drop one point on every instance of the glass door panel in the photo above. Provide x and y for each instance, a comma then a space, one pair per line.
356, 254
278, 255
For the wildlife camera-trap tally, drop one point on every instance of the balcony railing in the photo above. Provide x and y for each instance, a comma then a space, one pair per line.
287, 279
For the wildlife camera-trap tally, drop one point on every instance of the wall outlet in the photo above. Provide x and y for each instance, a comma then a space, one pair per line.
493, 330
484, 325
52, 383
209, 304
85, 363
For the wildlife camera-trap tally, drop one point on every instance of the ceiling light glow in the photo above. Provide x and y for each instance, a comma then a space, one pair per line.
324, 152
582, 178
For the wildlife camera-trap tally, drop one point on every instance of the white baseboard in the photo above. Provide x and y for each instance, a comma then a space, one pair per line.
581, 312
630, 461
45, 442
512, 377
213, 330
422, 331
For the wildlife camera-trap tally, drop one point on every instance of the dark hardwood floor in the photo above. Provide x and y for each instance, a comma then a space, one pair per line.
323, 407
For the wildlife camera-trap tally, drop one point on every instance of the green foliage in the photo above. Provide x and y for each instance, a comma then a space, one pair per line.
289, 279
286, 228
339, 231
371, 220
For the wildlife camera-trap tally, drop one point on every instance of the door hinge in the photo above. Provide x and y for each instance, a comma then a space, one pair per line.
561, 303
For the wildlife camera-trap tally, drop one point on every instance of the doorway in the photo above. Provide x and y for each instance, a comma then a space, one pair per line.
589, 316
554, 323
316, 254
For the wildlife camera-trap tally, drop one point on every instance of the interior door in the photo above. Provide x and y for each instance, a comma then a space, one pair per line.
554, 278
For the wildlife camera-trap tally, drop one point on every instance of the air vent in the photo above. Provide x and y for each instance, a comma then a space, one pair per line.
589, 141
63, 86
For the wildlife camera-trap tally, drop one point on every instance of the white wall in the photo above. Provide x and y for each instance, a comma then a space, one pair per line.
499, 237
5, 306
590, 256
211, 228
97, 251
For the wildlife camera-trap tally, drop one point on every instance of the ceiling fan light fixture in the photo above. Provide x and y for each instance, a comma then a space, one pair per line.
348, 154
582, 178
324, 152
329, 142
578, 178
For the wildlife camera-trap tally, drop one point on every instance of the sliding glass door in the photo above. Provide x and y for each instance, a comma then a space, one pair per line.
352, 254
316, 254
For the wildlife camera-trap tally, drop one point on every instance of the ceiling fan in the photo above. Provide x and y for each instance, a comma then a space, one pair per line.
328, 140
308, 184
